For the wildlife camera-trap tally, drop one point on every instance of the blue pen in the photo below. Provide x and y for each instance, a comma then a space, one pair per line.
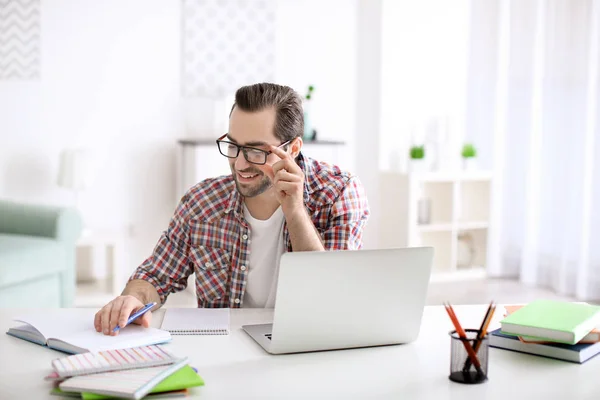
139, 312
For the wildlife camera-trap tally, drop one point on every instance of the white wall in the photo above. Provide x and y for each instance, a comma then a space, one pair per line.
110, 80
424, 66
368, 119
316, 44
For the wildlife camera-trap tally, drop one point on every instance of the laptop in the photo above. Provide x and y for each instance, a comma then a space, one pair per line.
331, 300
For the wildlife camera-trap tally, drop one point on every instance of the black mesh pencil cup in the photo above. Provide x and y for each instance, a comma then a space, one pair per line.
462, 367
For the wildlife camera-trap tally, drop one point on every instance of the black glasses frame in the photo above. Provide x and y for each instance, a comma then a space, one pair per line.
244, 149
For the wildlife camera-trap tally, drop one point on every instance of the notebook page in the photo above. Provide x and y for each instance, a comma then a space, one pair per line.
130, 336
113, 360
196, 321
60, 322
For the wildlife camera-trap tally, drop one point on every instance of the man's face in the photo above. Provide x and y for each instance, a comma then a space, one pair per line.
255, 130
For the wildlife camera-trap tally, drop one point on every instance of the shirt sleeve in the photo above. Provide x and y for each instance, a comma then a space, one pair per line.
168, 269
349, 215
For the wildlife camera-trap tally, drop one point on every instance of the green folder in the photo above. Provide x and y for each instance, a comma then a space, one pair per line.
184, 378
551, 320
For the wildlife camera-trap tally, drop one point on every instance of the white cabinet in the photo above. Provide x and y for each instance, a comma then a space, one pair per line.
199, 159
449, 211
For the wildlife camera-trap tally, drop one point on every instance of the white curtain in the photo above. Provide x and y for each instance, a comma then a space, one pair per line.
543, 131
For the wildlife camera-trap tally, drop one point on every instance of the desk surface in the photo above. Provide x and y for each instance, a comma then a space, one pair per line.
234, 366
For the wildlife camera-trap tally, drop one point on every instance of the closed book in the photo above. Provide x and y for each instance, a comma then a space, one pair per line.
551, 320
183, 379
577, 353
129, 384
592, 337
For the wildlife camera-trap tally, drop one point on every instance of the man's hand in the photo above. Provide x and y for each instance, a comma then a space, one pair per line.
288, 181
117, 312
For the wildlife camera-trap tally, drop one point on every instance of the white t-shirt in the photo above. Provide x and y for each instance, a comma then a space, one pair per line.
266, 248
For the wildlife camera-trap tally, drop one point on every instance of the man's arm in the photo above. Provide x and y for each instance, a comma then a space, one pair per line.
288, 180
303, 234
165, 271
349, 215
143, 290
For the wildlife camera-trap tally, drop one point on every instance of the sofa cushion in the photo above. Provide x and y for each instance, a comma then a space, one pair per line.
25, 258
44, 292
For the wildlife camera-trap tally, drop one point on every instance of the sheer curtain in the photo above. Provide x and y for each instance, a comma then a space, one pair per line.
544, 136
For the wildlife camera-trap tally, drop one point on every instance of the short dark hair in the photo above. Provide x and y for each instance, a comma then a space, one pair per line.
289, 119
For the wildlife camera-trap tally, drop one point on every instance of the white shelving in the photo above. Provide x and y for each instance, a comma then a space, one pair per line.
458, 223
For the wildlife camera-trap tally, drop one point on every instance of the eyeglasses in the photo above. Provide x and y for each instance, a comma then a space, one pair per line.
251, 154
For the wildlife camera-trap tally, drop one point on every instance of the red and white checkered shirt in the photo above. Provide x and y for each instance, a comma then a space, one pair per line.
209, 236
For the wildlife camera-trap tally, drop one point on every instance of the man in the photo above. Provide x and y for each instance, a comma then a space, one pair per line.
232, 230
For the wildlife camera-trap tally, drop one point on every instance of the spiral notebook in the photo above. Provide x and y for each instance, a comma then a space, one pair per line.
113, 360
196, 321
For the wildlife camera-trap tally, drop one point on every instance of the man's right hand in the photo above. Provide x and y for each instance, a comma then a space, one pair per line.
117, 312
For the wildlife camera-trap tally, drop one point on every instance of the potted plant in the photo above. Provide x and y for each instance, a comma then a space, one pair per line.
417, 159
308, 128
469, 153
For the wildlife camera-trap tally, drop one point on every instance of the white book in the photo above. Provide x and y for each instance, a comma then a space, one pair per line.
197, 321
129, 384
72, 331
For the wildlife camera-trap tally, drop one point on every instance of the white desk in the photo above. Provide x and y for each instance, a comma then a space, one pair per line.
235, 367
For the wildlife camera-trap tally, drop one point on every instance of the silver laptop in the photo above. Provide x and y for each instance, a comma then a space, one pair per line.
332, 300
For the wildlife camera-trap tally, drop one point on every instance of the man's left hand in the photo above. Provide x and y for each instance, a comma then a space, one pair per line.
288, 181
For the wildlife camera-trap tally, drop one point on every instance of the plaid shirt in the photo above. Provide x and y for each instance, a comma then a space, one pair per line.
209, 236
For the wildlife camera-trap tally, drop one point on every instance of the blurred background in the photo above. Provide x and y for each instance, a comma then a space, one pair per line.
473, 126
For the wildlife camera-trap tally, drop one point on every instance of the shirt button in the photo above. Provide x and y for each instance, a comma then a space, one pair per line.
245, 237
243, 267
226, 211
237, 301
208, 264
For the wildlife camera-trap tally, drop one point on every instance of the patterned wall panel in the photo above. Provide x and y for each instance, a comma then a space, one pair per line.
226, 44
19, 39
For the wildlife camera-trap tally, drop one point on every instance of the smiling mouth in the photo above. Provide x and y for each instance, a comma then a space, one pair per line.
246, 176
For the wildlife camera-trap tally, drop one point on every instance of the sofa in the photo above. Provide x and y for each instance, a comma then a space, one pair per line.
37, 255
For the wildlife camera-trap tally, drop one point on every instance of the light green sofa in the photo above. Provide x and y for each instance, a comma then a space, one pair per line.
37, 255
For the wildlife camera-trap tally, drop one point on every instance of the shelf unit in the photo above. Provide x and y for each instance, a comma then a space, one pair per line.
458, 223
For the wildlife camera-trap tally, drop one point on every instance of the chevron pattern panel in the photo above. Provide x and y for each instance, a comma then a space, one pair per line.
226, 44
19, 39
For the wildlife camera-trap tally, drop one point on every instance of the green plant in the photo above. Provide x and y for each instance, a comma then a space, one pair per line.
469, 151
417, 152
311, 89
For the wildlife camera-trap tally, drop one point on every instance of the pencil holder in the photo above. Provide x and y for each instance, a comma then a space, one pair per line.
462, 367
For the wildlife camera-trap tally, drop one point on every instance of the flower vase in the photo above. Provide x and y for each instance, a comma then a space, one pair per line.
418, 166
469, 164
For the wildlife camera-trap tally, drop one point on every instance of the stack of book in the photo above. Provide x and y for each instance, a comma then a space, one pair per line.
555, 329
129, 373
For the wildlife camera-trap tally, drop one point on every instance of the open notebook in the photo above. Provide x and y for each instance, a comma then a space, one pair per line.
72, 331
129, 384
196, 321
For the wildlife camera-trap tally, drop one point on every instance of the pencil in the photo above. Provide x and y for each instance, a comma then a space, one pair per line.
485, 323
462, 334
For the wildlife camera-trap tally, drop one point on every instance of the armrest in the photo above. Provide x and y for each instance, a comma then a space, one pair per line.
60, 223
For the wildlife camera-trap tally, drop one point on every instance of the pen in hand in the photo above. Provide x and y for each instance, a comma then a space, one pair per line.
136, 314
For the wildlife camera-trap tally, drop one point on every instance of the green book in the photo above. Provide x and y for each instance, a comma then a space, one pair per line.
551, 320
184, 378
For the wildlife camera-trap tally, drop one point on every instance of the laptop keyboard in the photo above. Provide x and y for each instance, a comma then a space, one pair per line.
268, 335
